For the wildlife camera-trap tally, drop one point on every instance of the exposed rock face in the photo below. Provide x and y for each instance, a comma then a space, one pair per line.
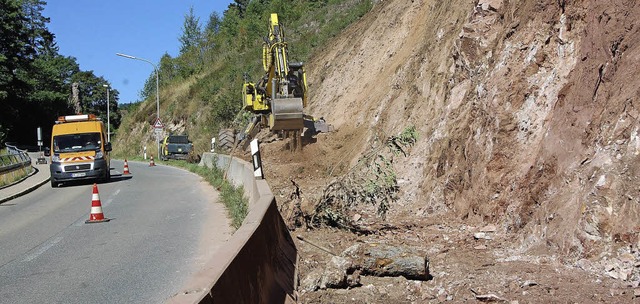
527, 113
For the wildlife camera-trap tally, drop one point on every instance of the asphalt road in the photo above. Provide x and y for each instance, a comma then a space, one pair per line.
165, 224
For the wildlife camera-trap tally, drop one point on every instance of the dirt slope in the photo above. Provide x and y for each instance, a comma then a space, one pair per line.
527, 121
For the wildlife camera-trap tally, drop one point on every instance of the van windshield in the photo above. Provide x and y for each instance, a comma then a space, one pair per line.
178, 139
76, 142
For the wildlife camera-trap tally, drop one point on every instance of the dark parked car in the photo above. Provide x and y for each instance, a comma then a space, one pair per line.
175, 147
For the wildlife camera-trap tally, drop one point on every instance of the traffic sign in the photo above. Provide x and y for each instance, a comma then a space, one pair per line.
158, 124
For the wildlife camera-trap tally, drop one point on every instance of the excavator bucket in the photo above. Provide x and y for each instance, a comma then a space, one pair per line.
286, 114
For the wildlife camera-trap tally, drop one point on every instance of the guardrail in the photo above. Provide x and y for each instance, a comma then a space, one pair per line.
15, 160
14, 166
258, 263
14, 149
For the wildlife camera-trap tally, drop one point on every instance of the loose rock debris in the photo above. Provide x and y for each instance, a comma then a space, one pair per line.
498, 146
344, 271
490, 298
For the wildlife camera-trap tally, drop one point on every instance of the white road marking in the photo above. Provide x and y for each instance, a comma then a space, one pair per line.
110, 199
42, 250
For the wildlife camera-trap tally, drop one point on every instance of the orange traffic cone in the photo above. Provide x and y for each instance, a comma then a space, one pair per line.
126, 167
151, 162
96, 215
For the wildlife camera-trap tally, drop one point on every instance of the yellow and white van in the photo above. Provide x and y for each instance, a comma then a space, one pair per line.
79, 149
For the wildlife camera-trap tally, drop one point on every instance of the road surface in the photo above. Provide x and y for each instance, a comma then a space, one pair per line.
165, 223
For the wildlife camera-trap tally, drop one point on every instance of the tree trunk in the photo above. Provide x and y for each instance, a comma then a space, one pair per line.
384, 260
75, 98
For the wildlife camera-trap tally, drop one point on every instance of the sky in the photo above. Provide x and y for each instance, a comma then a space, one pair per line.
94, 31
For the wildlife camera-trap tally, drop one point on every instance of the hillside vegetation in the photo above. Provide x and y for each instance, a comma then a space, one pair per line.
200, 90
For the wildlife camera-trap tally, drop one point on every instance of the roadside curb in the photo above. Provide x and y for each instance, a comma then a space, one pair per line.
25, 191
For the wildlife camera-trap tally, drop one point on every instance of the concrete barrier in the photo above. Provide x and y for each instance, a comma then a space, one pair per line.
258, 263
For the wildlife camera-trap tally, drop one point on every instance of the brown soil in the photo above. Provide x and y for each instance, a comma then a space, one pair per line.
527, 121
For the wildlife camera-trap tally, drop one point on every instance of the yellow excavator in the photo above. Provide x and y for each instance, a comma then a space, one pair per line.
279, 98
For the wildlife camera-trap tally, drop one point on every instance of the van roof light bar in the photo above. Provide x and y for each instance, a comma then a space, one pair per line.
79, 117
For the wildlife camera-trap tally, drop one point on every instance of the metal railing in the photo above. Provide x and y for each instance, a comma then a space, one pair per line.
16, 159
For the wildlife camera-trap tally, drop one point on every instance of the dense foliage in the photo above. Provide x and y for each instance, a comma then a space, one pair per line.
201, 87
35, 80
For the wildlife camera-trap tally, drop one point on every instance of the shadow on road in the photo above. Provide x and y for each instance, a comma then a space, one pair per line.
114, 179
118, 177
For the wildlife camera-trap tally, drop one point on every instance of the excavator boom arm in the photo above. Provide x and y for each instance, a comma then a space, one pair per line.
279, 98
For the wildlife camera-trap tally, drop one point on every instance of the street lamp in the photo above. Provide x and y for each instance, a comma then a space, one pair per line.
157, 91
108, 116
157, 81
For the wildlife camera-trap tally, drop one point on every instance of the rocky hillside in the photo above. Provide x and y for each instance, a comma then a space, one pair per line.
526, 129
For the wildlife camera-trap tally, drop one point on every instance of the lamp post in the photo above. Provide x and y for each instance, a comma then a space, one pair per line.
157, 91
108, 116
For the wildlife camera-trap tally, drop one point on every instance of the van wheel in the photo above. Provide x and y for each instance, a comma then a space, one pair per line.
53, 183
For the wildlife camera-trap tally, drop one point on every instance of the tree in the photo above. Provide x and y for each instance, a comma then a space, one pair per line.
213, 25
191, 32
50, 81
15, 51
92, 94
241, 6
191, 57
230, 27
51, 78
168, 71
41, 39
35, 80
23, 38
210, 36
